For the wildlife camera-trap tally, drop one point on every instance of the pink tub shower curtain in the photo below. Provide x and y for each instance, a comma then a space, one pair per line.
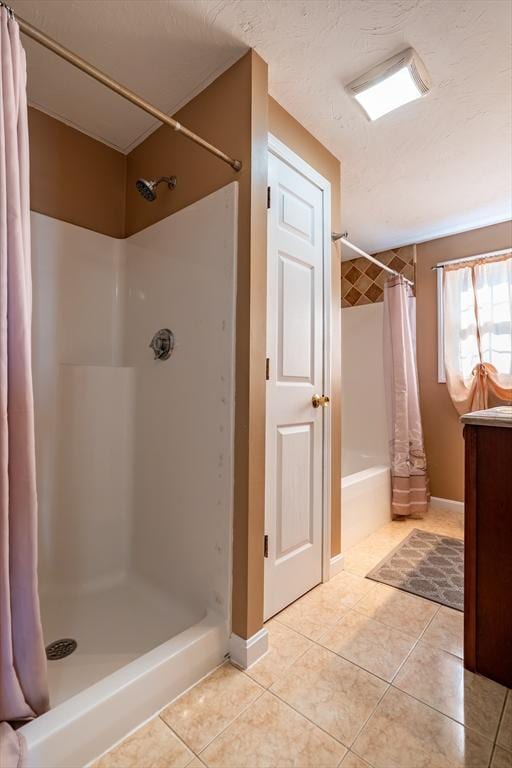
23, 685
409, 479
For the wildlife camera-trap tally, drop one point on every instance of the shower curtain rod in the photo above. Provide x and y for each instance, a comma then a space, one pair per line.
335, 236
487, 255
89, 69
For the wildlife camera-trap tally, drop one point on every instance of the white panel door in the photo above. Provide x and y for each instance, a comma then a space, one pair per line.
294, 430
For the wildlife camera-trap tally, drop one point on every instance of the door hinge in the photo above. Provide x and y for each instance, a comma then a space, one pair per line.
265, 546
267, 369
268, 197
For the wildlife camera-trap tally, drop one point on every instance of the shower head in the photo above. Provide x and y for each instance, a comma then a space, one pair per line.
148, 188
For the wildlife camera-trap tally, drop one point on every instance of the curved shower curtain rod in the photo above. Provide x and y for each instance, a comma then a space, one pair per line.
343, 237
40, 37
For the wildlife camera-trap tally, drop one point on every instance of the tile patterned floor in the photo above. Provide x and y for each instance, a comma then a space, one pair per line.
358, 675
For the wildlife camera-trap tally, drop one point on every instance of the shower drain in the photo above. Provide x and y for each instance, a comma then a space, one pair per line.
59, 649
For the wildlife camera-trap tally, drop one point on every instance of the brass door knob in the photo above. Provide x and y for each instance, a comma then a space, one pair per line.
320, 401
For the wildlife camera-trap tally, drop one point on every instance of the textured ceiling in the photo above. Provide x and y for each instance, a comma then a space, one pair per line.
438, 165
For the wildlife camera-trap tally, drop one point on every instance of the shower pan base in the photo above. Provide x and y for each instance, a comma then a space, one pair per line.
123, 671
112, 627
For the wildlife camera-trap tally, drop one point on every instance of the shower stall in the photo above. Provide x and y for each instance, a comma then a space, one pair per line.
134, 449
132, 372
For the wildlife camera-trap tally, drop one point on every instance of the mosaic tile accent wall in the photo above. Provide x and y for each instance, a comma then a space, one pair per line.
362, 281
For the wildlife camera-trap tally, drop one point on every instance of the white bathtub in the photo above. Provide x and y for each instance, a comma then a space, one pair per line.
365, 503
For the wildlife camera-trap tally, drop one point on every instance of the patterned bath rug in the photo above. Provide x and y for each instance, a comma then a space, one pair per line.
428, 565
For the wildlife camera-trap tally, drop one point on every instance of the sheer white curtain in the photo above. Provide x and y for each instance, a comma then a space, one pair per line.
478, 332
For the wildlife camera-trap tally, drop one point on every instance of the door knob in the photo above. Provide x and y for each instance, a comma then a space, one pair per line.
320, 401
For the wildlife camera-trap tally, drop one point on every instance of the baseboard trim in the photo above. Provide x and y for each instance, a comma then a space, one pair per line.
337, 564
243, 653
436, 502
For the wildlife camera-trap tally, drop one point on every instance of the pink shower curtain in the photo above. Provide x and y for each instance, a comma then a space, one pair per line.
23, 685
409, 479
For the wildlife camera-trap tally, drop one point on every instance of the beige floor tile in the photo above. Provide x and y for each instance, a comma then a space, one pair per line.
502, 758
269, 734
196, 763
351, 760
439, 679
405, 612
504, 738
203, 712
376, 647
310, 617
152, 746
345, 589
443, 522
446, 631
332, 692
285, 647
404, 733
360, 560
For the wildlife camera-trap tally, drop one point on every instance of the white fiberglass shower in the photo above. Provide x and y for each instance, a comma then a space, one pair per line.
134, 466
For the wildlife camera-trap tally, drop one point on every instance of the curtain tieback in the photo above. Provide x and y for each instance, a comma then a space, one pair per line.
486, 378
483, 373
483, 370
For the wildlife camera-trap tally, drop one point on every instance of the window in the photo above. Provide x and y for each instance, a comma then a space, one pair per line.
494, 297
475, 316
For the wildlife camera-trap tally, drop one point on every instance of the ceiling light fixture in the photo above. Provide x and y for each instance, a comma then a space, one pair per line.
395, 82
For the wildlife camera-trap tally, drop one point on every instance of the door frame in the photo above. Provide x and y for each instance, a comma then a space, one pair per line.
284, 153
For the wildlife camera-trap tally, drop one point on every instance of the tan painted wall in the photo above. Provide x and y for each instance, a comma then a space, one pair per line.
75, 178
232, 114
221, 114
295, 136
443, 434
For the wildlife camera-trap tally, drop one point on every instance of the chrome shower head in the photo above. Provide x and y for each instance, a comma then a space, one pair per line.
148, 188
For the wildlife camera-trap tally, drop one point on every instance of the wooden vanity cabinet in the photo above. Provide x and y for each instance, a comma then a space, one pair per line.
488, 545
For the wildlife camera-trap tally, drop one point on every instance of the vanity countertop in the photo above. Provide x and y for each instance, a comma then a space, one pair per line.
492, 417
